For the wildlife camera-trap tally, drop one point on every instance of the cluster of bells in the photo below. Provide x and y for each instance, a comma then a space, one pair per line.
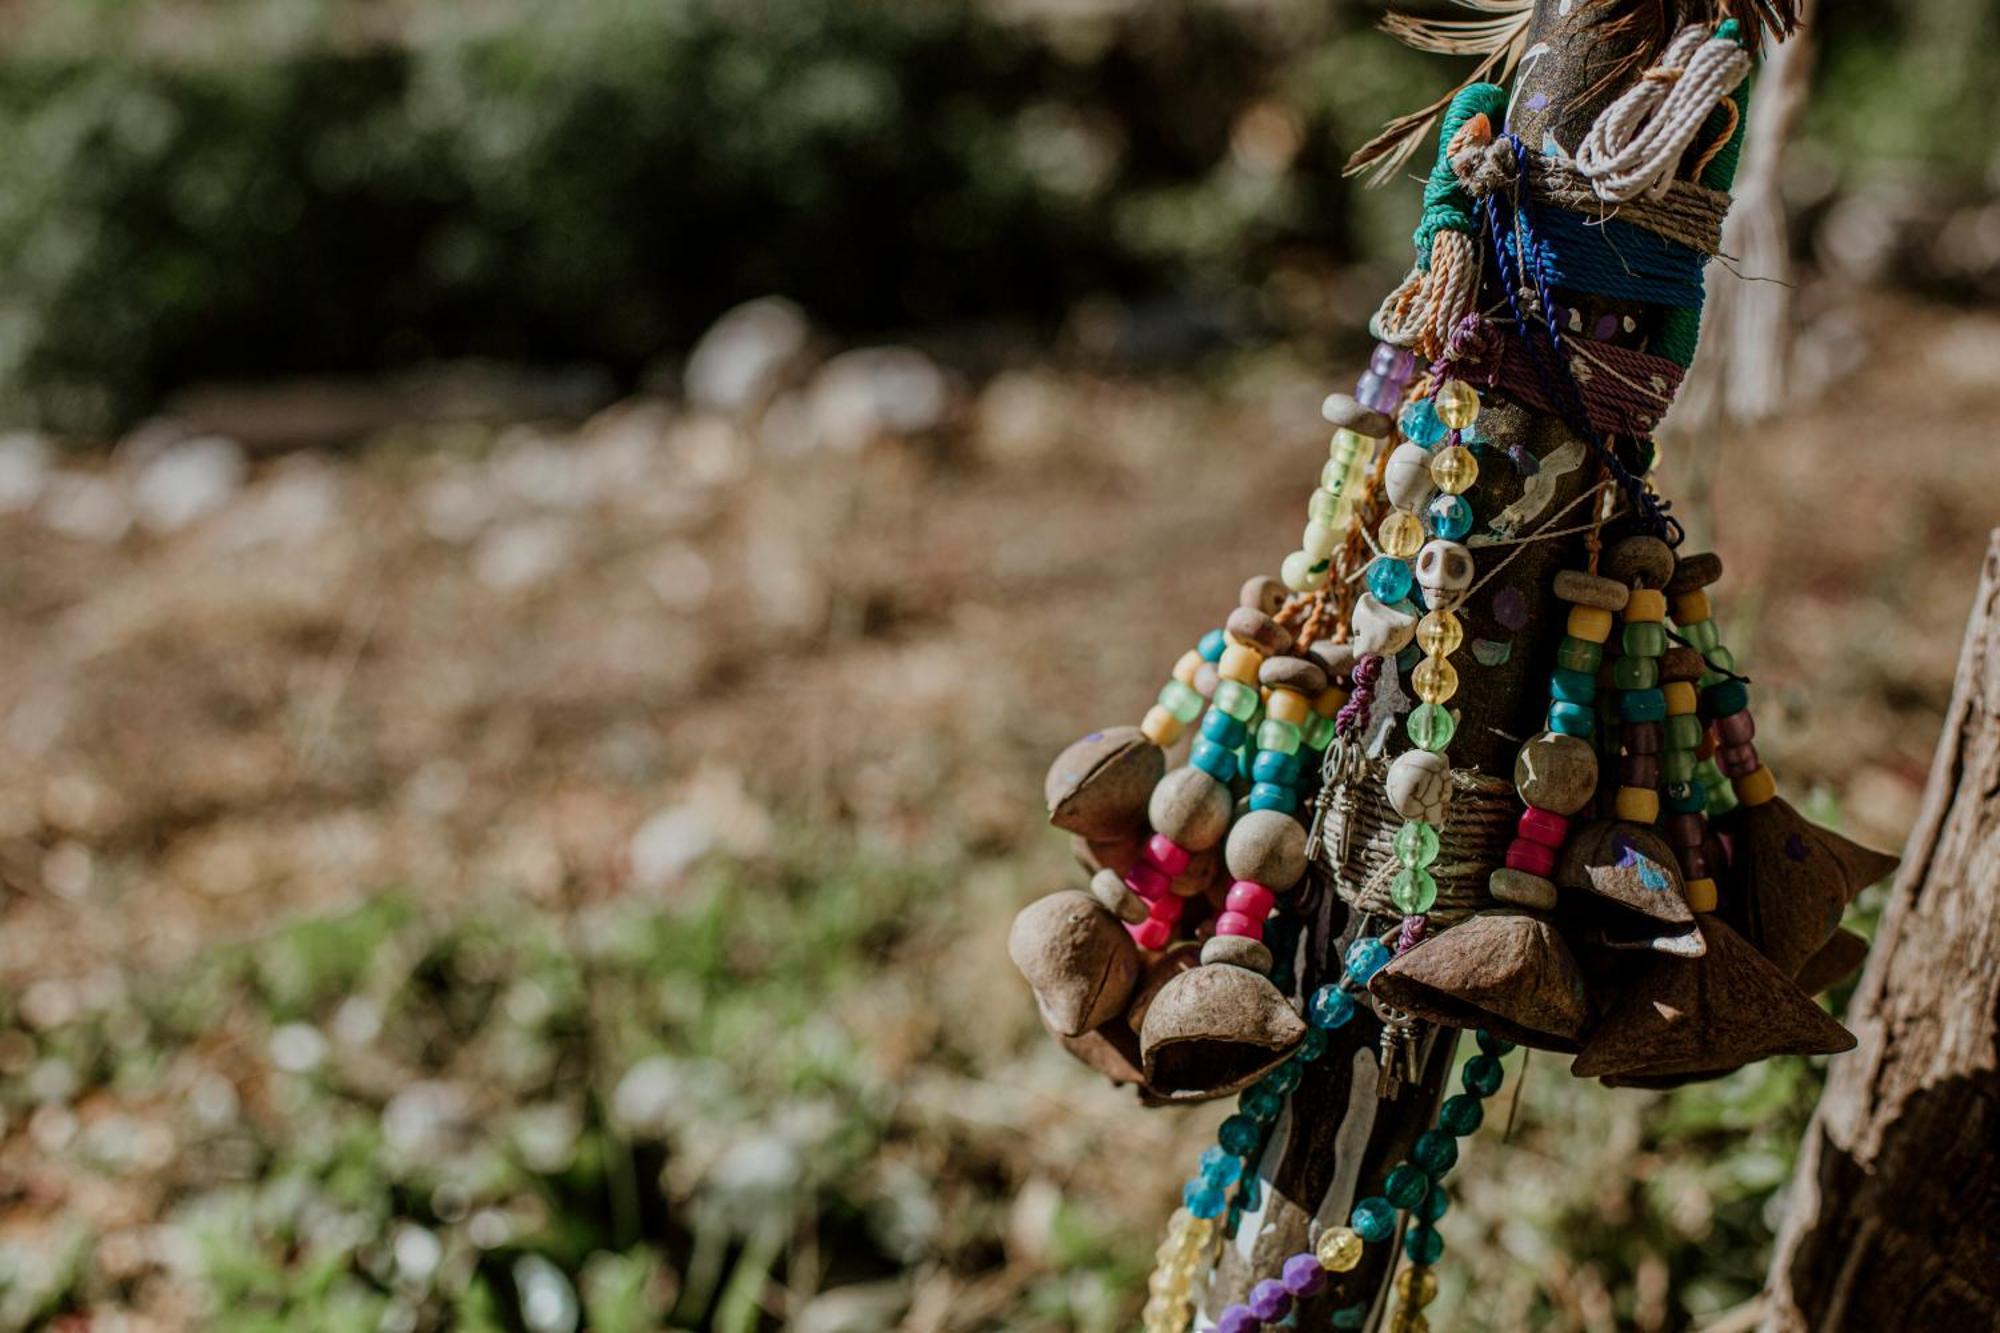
1645, 986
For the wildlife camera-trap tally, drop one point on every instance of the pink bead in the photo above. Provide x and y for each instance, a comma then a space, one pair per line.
1251, 899
1532, 857
1543, 826
1738, 761
1152, 933
1167, 854
1148, 880
1167, 909
1235, 923
1736, 729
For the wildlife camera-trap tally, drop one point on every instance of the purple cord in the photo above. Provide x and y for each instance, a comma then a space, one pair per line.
1354, 713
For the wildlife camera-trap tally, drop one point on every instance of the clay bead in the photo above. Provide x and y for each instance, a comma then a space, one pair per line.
1640, 562
1238, 951
1263, 593
1191, 808
1692, 573
1583, 589
1297, 674
1555, 772
1257, 629
1267, 848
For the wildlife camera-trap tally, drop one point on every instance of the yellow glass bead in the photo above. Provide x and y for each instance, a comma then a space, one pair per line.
1590, 623
1240, 662
1160, 727
1417, 1286
1200, 1230
1681, 697
1701, 895
1640, 805
1435, 680
1757, 787
1350, 447
1646, 604
1457, 404
1331, 701
1407, 1320
1454, 469
1190, 663
1288, 706
1691, 608
1318, 541
1339, 1249
1439, 633
1401, 534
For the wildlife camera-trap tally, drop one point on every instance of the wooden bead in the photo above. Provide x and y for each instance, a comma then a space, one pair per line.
1691, 608
1701, 895
1640, 562
1695, 571
1267, 848
1298, 674
1419, 786
1592, 624
1755, 787
1520, 888
1191, 808
1639, 805
1257, 629
1646, 605
1288, 706
1556, 772
1161, 727
1579, 588
1240, 662
1263, 593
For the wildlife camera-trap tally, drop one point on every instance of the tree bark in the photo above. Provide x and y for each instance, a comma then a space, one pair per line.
1894, 1220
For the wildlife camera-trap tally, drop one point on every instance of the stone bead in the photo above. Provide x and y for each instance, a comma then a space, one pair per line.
1191, 808
1335, 659
1380, 629
1639, 805
1262, 593
1299, 674
1259, 630
1303, 571
1099, 786
1520, 888
1341, 410
1457, 404
1647, 604
1267, 848
1407, 479
1161, 727
1419, 786
1339, 1249
1592, 624
1237, 950
1454, 469
1640, 562
1555, 772
1440, 633
1580, 588
1694, 572
1109, 888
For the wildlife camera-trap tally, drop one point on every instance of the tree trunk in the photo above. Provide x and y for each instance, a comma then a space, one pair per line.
1894, 1221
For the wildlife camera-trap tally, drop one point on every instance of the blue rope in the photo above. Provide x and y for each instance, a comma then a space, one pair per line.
1615, 259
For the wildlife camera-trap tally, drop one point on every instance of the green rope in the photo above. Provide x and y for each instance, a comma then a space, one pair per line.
1680, 330
1447, 207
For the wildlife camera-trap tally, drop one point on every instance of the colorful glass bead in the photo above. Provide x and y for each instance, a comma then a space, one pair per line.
1331, 1008
1273, 766
1215, 760
1260, 1103
1183, 701
1417, 1286
1430, 727
1423, 1244
1421, 423
1703, 637
1392, 362
1724, 698
1482, 1075
1317, 731
1575, 687
1211, 645
1339, 1249
1283, 737
1454, 469
1416, 843
1350, 1316
1401, 534
1406, 1185
1580, 655
1374, 1219
1223, 729
1302, 1275
1390, 580
1152, 933
1239, 1134
1317, 541
1366, 957
1449, 517
1435, 1151
1644, 638
1572, 719
1269, 1300
1642, 705
1203, 1199
1313, 1045
1492, 1043
1636, 673
1219, 1168
1457, 404
1236, 923
1326, 508
1460, 1115
1274, 796
1435, 680
1238, 700
1439, 634
1377, 393
1285, 1077
1413, 890
1433, 1207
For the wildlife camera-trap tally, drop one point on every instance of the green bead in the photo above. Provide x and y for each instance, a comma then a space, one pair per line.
1435, 1151
1182, 700
1423, 1245
1683, 732
1433, 1207
1430, 727
1413, 890
1574, 654
1702, 636
1492, 1044
1721, 799
1236, 699
1636, 673
1374, 1219
1416, 844
1324, 508
1317, 731
1282, 737
1644, 638
1407, 1185
1461, 1115
1482, 1075
1677, 766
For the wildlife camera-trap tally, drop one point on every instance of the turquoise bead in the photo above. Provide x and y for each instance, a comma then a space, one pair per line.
1211, 646
1317, 732
1274, 796
1644, 638
1313, 1045
1636, 673
1482, 1075
1350, 1316
1406, 1186
1435, 1151
1702, 636
1219, 1168
1239, 1134
1390, 579
1213, 760
1280, 736
1422, 424
1574, 654
1642, 705
1224, 730
1683, 732
1725, 698
1433, 1207
1285, 1077
1572, 720
1260, 1103
1237, 699
1182, 700
1423, 1245
1331, 1008
1449, 517
1374, 1220
1461, 1115
1272, 766
1366, 957
1492, 1044
1204, 1200
1573, 687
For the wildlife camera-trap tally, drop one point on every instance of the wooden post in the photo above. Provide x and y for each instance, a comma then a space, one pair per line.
1894, 1216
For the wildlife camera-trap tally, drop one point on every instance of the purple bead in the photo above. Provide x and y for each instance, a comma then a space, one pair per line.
1685, 829
1393, 363
1303, 1275
1378, 394
1641, 737
1269, 1300
1738, 761
1694, 863
1640, 770
1237, 1319
1736, 729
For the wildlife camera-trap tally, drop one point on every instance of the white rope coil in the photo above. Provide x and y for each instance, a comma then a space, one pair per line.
1636, 142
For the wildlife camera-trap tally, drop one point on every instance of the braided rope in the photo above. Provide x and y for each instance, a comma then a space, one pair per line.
1637, 142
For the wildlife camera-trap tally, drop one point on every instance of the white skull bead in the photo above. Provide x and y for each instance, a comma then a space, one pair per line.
1444, 572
